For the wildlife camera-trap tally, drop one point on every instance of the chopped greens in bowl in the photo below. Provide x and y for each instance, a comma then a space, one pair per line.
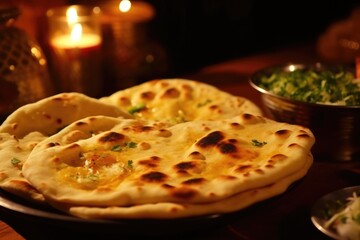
336, 85
323, 97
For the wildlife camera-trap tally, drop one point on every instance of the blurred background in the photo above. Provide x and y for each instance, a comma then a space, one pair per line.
198, 33
183, 36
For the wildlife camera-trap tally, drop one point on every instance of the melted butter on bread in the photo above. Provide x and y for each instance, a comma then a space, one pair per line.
99, 169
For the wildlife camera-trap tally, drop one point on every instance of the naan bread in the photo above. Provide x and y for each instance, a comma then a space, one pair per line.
138, 162
180, 100
13, 152
49, 115
34, 122
164, 149
170, 210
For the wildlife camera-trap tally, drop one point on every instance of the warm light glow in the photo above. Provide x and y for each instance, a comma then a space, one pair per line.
71, 15
76, 33
347, 43
36, 52
125, 5
292, 68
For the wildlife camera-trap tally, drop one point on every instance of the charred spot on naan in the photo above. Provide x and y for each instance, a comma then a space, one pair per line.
139, 128
147, 96
154, 177
112, 137
283, 133
190, 167
144, 145
183, 193
152, 162
229, 147
124, 101
249, 119
215, 108
210, 140
244, 168
170, 93
187, 91
194, 181
236, 125
227, 177
164, 133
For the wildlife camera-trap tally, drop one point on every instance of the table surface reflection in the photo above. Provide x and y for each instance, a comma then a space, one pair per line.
284, 217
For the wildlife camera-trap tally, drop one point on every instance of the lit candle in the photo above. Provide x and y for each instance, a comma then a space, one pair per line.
128, 11
75, 43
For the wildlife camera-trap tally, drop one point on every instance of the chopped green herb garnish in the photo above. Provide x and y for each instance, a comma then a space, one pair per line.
256, 143
130, 164
131, 144
201, 104
15, 161
116, 148
136, 108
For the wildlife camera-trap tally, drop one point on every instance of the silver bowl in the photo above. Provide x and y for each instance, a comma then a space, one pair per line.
328, 205
336, 128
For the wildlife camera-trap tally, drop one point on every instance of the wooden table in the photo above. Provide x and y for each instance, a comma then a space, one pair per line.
284, 217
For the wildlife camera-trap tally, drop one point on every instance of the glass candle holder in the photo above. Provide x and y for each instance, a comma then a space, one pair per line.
132, 55
75, 48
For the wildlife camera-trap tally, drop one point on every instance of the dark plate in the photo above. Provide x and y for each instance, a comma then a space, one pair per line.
44, 222
35, 221
330, 202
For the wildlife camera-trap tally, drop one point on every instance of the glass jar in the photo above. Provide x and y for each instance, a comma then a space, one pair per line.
24, 76
131, 53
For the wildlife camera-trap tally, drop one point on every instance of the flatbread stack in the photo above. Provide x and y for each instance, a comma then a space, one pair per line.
32, 123
186, 164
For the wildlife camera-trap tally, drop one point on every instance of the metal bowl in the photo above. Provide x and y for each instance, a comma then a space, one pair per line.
330, 203
336, 128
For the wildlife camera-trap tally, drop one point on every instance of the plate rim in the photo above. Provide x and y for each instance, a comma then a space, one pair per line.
14, 203
318, 221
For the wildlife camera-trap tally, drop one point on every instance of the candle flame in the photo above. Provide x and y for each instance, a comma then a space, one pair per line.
71, 15
125, 5
76, 33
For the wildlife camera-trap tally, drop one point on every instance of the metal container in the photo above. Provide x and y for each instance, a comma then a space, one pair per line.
336, 128
24, 76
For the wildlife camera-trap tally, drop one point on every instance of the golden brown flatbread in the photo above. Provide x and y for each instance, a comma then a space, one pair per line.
51, 114
170, 210
34, 122
140, 163
180, 100
167, 148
